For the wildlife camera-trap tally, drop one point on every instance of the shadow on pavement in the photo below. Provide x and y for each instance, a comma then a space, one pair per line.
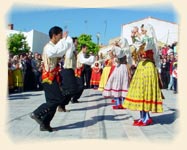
21, 96
94, 100
92, 121
92, 95
91, 107
166, 118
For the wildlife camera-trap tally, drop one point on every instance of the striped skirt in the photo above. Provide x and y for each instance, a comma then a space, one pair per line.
118, 82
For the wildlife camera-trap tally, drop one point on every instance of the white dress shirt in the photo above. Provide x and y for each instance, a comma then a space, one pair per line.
52, 51
82, 60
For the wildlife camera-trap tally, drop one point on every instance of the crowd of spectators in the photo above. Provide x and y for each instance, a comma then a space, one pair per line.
168, 68
24, 70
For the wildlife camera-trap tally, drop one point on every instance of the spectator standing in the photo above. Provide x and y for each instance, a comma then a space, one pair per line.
165, 77
36, 65
29, 78
171, 61
174, 74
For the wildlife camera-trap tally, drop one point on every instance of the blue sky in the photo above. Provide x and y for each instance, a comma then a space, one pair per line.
106, 21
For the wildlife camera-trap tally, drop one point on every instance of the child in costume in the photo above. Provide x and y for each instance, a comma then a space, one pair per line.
96, 75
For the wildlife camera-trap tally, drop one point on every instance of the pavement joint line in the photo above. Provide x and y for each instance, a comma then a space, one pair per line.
17, 118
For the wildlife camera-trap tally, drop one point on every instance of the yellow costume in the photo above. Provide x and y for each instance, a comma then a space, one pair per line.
17, 78
105, 74
10, 79
144, 92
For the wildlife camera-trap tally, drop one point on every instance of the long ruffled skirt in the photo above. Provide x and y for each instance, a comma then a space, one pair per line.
117, 84
144, 93
104, 78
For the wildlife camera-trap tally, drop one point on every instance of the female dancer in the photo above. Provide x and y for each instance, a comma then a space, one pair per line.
118, 82
144, 93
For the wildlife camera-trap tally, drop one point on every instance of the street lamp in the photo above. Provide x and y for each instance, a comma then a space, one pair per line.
86, 27
65, 28
98, 36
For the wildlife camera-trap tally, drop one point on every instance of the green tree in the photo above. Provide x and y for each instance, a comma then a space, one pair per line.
16, 44
87, 40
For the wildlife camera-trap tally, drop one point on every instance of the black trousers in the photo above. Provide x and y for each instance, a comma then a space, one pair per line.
38, 84
72, 86
86, 75
165, 78
54, 97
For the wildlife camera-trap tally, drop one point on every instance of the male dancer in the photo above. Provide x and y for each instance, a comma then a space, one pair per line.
56, 47
79, 68
69, 82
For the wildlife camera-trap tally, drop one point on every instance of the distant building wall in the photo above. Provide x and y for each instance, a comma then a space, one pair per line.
166, 32
36, 40
39, 41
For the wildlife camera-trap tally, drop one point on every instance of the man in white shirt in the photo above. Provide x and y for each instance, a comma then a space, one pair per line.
58, 45
70, 87
79, 66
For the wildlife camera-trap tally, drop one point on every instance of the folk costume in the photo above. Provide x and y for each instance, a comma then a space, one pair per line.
96, 75
54, 97
10, 77
118, 82
107, 70
144, 93
18, 77
71, 82
81, 62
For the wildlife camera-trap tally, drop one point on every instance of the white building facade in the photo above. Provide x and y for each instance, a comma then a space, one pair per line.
166, 32
35, 39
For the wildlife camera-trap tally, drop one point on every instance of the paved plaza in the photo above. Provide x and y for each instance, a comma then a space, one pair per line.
92, 118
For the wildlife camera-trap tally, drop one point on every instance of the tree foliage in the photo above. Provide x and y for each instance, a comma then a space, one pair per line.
17, 44
87, 40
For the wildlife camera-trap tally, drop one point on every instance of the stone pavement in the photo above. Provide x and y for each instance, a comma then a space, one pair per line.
92, 118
